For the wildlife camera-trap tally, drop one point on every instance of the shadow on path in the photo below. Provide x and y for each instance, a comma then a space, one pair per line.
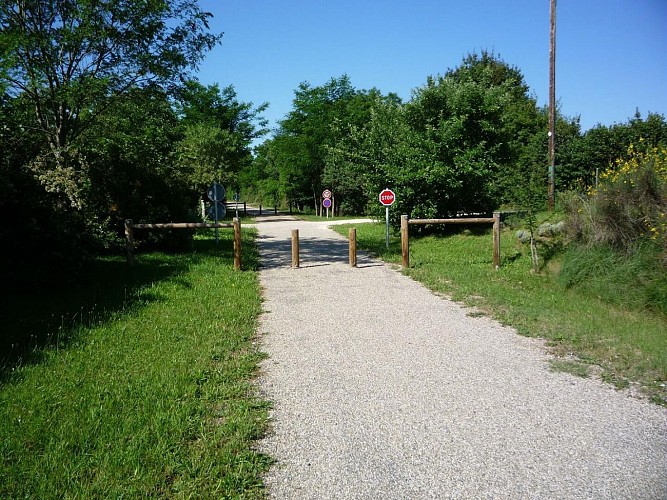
276, 251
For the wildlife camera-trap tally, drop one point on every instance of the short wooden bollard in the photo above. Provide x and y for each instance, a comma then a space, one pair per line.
405, 242
237, 243
496, 240
353, 247
295, 248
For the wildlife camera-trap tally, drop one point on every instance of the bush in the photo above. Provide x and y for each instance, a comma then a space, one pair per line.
628, 206
619, 228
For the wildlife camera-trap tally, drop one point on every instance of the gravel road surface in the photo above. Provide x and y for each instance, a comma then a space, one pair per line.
383, 390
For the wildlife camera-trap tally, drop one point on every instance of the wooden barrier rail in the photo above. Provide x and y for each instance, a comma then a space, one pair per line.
130, 227
405, 234
234, 205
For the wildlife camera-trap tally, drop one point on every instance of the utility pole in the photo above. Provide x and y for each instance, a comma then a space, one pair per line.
552, 107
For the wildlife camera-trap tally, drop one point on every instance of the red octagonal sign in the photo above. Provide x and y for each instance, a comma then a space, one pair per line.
387, 197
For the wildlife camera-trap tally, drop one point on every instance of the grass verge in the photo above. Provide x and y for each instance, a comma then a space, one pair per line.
146, 392
627, 347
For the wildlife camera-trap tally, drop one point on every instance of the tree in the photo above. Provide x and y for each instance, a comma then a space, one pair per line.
599, 147
219, 131
71, 58
132, 167
308, 130
477, 118
350, 184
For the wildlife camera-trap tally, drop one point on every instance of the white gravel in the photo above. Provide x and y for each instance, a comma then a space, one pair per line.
383, 390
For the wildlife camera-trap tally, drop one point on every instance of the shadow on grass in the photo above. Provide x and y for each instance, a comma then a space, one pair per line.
52, 315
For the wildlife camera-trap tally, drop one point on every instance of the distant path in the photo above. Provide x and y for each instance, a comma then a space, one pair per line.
383, 390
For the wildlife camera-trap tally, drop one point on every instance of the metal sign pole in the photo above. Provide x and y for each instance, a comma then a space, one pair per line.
215, 211
387, 226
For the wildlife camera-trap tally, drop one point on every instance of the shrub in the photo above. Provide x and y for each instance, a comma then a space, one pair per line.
619, 230
628, 206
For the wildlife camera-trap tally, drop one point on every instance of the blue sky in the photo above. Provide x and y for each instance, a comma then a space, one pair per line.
611, 54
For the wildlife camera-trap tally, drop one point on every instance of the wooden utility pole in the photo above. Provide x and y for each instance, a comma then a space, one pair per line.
552, 107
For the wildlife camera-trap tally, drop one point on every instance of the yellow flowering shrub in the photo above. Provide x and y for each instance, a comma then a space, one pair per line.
629, 205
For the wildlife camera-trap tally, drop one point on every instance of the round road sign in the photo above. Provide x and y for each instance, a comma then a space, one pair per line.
222, 210
387, 197
326, 194
216, 192
326, 203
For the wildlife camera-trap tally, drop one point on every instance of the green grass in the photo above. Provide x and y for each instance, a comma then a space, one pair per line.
136, 384
631, 281
627, 345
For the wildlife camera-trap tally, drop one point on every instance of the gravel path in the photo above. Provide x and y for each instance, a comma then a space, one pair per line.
383, 390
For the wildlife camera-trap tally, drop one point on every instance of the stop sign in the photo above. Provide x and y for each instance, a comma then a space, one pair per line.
387, 197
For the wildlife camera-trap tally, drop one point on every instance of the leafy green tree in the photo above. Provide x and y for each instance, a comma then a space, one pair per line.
70, 59
350, 184
455, 147
305, 134
33, 233
66, 69
261, 179
387, 153
477, 118
133, 170
219, 131
602, 145
303, 158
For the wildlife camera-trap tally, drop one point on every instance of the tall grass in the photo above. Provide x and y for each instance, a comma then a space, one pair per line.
627, 345
637, 281
150, 398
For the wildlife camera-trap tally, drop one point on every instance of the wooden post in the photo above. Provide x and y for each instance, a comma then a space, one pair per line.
295, 248
245, 209
129, 241
405, 242
353, 246
260, 209
496, 240
275, 210
237, 243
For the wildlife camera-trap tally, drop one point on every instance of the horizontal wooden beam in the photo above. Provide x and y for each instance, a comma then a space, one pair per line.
470, 220
180, 225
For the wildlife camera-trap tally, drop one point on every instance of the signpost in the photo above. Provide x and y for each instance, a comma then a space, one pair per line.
387, 198
326, 203
217, 211
216, 193
237, 197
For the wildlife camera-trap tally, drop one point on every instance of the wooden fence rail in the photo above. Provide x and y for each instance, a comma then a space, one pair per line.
130, 227
405, 233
